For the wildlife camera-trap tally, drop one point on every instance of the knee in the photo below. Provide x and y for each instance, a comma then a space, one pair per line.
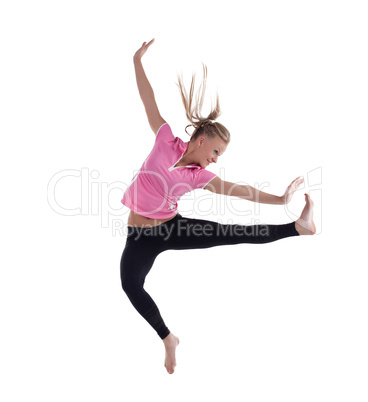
132, 277
126, 283
130, 284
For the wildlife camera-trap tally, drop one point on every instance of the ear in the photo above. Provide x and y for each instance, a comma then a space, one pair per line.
201, 140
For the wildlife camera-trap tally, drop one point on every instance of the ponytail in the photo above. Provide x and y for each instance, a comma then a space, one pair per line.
202, 125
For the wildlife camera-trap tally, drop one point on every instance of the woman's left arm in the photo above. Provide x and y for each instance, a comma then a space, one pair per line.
250, 193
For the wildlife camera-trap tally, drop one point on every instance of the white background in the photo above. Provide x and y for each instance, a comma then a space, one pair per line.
286, 321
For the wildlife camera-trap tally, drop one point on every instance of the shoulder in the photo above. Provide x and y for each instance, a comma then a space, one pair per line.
203, 177
165, 136
164, 132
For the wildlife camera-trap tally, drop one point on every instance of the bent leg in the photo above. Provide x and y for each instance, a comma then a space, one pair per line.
136, 261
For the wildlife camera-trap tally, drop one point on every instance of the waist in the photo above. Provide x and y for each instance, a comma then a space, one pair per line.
136, 220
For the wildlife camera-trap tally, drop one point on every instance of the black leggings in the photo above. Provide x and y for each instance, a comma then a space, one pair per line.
143, 245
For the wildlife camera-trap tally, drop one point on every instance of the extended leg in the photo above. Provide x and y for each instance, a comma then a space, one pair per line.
188, 233
185, 233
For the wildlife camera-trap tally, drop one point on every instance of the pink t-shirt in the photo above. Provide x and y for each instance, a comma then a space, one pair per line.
158, 185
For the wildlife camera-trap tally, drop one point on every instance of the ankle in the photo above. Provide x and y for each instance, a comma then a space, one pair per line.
298, 228
168, 338
304, 231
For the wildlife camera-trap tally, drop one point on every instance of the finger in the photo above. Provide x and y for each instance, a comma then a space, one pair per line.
298, 179
294, 180
149, 43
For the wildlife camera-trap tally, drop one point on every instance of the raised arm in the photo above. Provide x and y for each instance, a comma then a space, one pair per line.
250, 193
145, 90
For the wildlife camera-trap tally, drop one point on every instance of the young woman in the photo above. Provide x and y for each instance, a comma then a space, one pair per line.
172, 169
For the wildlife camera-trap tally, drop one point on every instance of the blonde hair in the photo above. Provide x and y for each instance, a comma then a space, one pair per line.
202, 126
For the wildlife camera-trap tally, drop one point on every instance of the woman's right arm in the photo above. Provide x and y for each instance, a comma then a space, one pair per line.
145, 90
245, 192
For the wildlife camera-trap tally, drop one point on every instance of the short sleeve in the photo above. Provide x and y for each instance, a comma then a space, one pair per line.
164, 133
203, 177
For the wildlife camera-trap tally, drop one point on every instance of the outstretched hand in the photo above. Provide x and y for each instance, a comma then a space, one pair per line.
291, 189
140, 52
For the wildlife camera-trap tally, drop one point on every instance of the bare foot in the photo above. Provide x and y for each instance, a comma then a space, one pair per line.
305, 225
171, 342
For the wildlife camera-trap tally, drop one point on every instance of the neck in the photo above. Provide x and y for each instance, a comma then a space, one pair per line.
187, 158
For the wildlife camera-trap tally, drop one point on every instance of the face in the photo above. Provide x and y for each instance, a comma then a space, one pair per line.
209, 150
